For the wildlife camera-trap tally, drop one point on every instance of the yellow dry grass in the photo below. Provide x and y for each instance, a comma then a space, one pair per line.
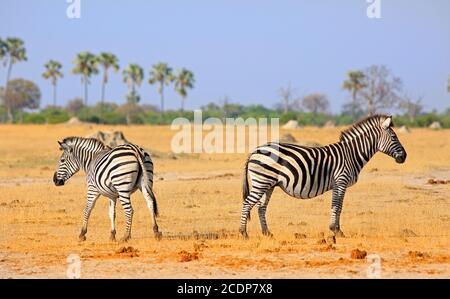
391, 211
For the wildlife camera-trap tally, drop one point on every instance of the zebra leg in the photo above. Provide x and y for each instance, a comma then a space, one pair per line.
92, 197
150, 199
112, 217
262, 212
128, 209
336, 208
249, 203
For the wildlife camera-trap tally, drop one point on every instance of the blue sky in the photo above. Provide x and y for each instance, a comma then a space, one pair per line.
243, 49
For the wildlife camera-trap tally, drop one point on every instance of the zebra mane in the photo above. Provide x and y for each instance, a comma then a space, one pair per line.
362, 126
73, 140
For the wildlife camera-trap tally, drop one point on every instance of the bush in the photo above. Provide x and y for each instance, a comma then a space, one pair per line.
112, 114
34, 118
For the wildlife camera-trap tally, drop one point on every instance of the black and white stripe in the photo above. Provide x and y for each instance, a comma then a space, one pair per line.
115, 173
306, 172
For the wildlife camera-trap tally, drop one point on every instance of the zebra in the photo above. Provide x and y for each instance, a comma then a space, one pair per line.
115, 173
306, 172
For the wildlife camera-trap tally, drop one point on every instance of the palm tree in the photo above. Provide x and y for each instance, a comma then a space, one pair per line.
184, 79
132, 76
107, 60
85, 65
161, 73
53, 72
2, 56
354, 83
14, 51
448, 84
2, 49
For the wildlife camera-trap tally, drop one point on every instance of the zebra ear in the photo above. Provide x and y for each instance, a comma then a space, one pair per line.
63, 146
387, 122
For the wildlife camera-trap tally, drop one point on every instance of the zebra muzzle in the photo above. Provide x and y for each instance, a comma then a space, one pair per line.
58, 182
400, 159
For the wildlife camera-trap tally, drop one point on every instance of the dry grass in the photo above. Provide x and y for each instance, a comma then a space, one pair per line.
392, 211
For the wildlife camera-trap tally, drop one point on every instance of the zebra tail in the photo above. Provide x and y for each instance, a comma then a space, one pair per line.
146, 184
245, 186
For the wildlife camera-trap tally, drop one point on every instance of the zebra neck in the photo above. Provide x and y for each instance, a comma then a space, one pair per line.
361, 149
85, 157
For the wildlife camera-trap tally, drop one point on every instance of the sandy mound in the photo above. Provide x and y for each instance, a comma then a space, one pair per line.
435, 125
292, 124
329, 124
73, 121
404, 129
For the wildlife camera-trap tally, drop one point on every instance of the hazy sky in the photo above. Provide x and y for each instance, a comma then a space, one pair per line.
243, 49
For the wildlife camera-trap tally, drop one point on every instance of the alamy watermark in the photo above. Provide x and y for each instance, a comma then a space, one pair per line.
374, 268
73, 266
374, 9
214, 135
73, 10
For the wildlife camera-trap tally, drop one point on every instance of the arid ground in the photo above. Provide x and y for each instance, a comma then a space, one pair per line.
393, 212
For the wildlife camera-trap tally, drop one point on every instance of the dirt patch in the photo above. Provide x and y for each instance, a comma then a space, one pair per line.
417, 255
186, 256
438, 182
127, 251
407, 233
358, 254
300, 236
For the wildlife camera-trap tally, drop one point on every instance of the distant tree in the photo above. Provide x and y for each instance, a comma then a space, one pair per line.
132, 76
21, 94
74, 106
224, 101
161, 74
354, 83
53, 72
316, 103
381, 88
287, 95
107, 61
211, 107
3, 51
233, 110
86, 65
411, 107
13, 51
355, 109
184, 79
2, 59
448, 84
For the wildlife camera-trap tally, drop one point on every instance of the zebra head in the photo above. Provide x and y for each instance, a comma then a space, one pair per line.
68, 165
388, 142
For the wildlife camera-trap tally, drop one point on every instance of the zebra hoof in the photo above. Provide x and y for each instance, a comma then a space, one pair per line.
331, 240
82, 238
339, 234
244, 235
125, 239
112, 238
158, 235
268, 234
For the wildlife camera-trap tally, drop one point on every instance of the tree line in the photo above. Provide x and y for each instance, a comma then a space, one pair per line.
371, 90
86, 64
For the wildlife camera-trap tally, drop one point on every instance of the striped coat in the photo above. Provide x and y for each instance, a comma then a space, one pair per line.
114, 173
306, 172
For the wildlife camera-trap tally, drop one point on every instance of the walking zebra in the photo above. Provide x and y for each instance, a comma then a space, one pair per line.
306, 172
114, 173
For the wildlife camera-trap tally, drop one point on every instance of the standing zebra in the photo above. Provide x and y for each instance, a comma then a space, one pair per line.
306, 172
114, 173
